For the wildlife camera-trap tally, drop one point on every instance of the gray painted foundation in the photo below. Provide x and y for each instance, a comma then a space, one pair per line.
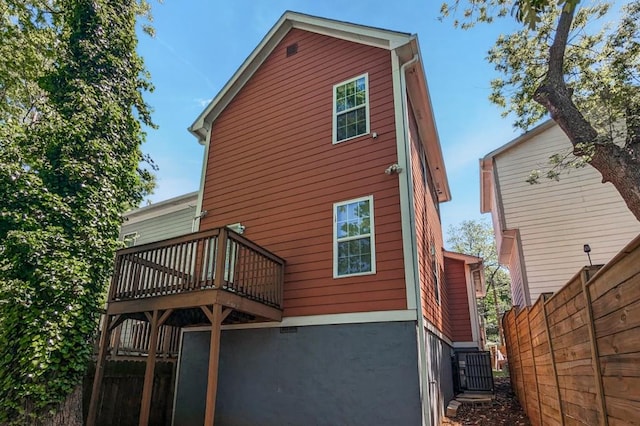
348, 374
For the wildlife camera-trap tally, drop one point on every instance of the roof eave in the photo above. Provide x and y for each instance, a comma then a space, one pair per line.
522, 138
418, 87
466, 258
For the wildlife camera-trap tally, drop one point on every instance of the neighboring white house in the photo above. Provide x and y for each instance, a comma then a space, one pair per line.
541, 229
166, 219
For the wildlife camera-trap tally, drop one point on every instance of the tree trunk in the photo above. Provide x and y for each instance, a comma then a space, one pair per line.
617, 165
69, 413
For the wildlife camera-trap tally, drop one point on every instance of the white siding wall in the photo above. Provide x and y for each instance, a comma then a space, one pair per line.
555, 219
161, 227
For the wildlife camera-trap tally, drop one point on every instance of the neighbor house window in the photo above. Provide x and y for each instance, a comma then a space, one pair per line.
351, 108
353, 238
130, 239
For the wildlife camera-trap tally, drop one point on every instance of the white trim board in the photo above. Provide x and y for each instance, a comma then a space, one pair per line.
331, 319
428, 326
459, 345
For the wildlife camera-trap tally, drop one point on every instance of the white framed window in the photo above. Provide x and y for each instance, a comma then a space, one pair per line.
130, 239
351, 109
353, 238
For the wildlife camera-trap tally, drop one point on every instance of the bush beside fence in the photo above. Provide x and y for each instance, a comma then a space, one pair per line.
574, 355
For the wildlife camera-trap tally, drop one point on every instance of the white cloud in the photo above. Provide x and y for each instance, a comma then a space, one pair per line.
202, 102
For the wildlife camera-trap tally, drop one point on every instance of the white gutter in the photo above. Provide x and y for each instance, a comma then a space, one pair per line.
422, 352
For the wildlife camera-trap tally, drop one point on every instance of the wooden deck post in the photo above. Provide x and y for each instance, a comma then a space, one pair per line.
214, 354
97, 378
147, 390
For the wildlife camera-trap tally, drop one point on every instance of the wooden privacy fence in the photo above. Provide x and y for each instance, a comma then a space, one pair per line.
121, 393
574, 356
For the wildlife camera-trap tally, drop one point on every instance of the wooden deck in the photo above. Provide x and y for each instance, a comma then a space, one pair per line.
206, 278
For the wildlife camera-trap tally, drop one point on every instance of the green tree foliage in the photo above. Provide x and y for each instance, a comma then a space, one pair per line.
476, 238
71, 112
580, 63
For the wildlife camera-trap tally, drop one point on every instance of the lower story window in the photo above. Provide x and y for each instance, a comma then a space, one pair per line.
353, 238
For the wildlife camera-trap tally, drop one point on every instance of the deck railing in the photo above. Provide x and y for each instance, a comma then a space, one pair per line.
131, 338
214, 259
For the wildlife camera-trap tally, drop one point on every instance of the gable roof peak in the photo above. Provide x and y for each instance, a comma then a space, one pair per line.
356, 33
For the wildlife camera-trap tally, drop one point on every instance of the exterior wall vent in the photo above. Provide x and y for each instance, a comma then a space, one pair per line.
292, 49
288, 330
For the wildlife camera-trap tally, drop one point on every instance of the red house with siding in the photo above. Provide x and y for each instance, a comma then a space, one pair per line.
317, 289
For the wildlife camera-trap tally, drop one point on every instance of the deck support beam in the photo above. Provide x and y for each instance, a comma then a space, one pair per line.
156, 319
216, 317
107, 327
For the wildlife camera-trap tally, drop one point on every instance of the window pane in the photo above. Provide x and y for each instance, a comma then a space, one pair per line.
351, 88
351, 101
341, 105
360, 84
342, 229
354, 256
365, 226
365, 245
365, 263
343, 266
342, 213
363, 209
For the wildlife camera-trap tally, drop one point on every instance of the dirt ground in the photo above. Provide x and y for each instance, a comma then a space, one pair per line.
505, 410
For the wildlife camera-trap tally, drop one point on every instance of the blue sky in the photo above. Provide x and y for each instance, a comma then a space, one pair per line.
200, 44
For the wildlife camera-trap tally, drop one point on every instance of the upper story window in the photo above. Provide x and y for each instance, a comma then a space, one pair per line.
351, 108
353, 238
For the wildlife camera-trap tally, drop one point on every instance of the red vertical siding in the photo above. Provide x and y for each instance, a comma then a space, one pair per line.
458, 297
273, 167
428, 228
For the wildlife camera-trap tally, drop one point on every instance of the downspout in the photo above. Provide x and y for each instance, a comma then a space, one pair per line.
195, 227
422, 352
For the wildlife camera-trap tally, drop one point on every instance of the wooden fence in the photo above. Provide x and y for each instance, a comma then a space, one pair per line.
574, 356
122, 392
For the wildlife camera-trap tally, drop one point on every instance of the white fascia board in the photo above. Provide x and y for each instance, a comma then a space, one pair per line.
352, 32
419, 95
